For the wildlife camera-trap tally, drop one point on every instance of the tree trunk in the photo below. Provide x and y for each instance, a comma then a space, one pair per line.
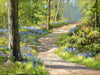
4, 21
55, 10
48, 18
14, 41
96, 14
57, 13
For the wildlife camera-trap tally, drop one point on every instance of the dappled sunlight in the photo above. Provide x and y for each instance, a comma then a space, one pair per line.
66, 67
49, 37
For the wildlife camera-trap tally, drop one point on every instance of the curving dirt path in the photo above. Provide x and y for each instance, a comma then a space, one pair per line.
53, 63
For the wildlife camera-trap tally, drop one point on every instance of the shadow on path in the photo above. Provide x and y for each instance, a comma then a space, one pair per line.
53, 63
65, 67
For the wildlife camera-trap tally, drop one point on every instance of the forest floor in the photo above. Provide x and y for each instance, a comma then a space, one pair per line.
53, 63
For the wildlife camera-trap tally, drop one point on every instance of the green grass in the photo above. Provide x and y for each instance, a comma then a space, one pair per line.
85, 39
26, 68
89, 62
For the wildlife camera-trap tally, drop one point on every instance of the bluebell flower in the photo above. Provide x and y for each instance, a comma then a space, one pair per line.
85, 54
39, 25
39, 59
44, 23
76, 51
25, 48
2, 54
29, 54
32, 56
74, 28
70, 31
4, 35
94, 53
28, 48
74, 48
29, 59
81, 54
4, 30
64, 51
35, 64
33, 61
24, 55
22, 61
65, 48
3, 47
90, 54
21, 55
6, 56
70, 49
34, 42
24, 33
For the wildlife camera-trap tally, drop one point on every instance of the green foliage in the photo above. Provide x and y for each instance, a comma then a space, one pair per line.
4, 55
26, 68
30, 12
84, 39
88, 10
58, 24
3, 13
3, 41
89, 62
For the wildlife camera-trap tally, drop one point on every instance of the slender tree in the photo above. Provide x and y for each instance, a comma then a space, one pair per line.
48, 17
4, 19
14, 42
57, 13
96, 14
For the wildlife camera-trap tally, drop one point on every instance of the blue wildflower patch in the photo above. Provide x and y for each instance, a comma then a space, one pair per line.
4, 35
71, 50
4, 30
84, 54
3, 47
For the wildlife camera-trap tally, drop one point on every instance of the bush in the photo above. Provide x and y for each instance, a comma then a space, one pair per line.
80, 45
